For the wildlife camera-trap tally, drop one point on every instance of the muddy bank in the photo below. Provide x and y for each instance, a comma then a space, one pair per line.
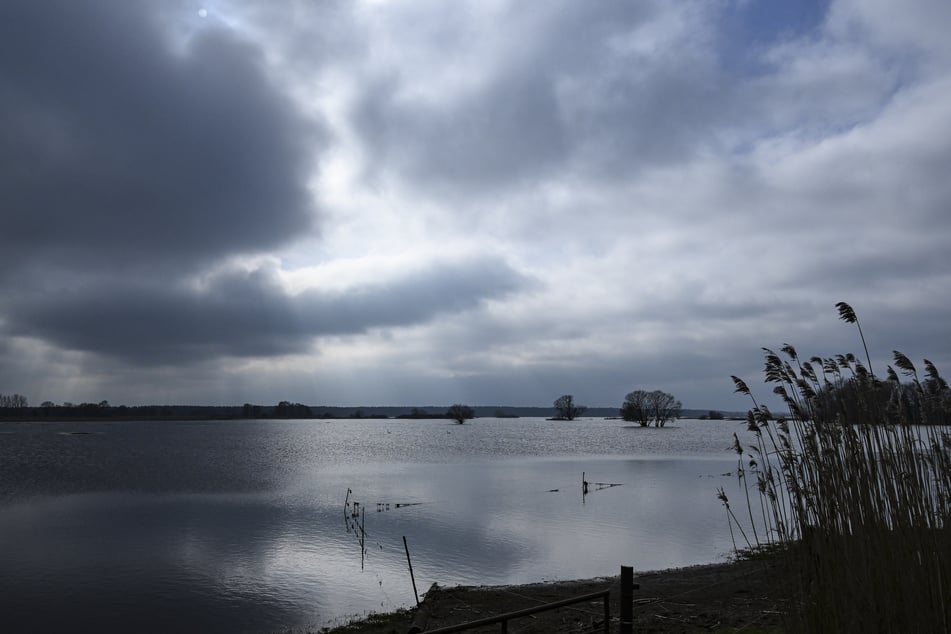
719, 597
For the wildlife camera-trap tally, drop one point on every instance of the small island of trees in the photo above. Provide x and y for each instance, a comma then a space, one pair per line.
460, 413
646, 408
567, 409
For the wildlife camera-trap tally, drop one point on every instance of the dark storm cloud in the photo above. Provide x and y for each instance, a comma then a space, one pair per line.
118, 150
246, 313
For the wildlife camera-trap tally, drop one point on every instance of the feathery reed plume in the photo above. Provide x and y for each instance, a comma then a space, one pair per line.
847, 315
854, 490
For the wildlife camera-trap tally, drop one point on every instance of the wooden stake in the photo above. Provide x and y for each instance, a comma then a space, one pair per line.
411, 575
627, 599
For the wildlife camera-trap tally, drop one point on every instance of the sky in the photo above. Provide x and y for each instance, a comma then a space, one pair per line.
492, 202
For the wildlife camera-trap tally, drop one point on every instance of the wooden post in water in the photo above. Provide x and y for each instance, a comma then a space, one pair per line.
627, 599
363, 537
411, 575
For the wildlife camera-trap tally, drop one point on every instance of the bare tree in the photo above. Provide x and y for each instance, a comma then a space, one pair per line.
636, 408
460, 413
644, 408
664, 407
567, 410
15, 401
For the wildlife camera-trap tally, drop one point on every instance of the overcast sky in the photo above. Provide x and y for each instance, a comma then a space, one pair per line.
492, 202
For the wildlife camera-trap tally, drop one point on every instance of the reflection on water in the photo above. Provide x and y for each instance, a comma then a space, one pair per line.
241, 527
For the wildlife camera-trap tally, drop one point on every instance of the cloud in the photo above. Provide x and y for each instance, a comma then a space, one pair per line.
119, 150
601, 88
653, 191
248, 312
913, 29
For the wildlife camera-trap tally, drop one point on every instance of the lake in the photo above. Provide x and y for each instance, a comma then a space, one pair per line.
247, 526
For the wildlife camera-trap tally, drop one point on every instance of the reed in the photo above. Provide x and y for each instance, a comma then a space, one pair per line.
853, 489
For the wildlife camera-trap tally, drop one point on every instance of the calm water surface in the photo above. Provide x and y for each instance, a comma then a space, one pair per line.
241, 526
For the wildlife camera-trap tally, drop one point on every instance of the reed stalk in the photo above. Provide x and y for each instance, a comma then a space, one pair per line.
854, 488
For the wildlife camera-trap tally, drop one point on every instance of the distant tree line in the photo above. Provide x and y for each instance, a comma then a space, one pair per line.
417, 412
457, 412
14, 401
16, 407
68, 410
287, 409
646, 408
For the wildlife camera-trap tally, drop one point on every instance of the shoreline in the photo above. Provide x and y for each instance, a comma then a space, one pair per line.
721, 597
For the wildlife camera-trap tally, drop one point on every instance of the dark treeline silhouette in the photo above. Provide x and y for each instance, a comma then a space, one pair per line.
104, 411
13, 401
101, 410
457, 412
16, 407
417, 413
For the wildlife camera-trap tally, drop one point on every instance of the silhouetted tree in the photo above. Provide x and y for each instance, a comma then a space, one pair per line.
460, 413
664, 407
636, 408
567, 410
644, 408
14, 401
